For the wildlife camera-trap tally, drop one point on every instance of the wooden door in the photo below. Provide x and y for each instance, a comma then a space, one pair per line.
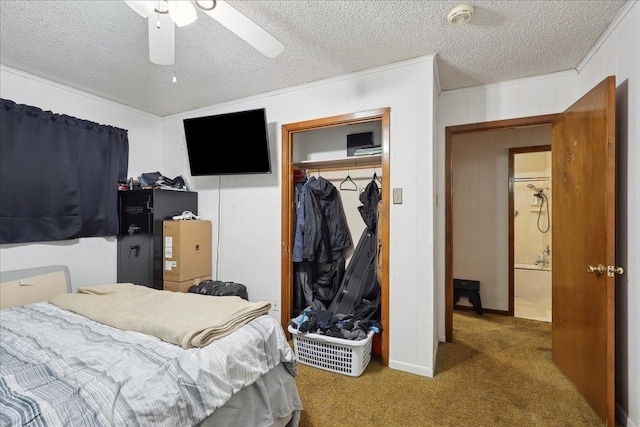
583, 309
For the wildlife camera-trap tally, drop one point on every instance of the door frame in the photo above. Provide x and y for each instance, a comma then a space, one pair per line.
383, 115
450, 133
512, 259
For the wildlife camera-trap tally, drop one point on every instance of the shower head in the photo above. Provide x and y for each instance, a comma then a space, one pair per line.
536, 189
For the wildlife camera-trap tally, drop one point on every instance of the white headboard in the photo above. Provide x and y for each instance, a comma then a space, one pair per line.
29, 285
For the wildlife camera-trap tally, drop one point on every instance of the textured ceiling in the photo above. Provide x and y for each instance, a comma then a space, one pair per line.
102, 47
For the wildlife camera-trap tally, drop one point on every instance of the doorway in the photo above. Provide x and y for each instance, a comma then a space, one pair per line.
530, 231
584, 171
450, 134
478, 233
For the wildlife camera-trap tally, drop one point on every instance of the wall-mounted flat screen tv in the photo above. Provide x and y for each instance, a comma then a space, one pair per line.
228, 144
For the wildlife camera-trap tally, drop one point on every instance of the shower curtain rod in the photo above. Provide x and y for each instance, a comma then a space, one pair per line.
536, 178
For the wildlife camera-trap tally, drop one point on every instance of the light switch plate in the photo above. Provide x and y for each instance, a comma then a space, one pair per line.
397, 196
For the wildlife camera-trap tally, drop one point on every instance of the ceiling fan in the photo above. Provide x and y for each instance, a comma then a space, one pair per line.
164, 15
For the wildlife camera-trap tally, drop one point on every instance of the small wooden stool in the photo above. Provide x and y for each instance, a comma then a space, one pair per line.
469, 289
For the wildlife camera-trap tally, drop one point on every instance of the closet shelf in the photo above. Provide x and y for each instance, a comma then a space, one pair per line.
353, 161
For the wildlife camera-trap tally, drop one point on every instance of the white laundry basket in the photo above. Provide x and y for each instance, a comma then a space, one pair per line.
348, 357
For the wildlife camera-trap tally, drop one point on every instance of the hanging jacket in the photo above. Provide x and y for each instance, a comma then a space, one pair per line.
325, 224
300, 197
370, 198
359, 292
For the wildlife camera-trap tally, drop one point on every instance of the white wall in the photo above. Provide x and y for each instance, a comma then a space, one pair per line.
250, 206
91, 261
617, 54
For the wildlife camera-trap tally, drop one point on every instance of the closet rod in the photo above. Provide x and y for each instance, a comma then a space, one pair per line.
340, 168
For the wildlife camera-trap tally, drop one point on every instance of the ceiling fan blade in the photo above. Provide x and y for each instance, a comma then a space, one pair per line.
245, 28
162, 41
143, 8
182, 12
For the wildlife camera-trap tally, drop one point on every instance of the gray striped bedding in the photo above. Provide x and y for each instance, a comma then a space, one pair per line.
59, 368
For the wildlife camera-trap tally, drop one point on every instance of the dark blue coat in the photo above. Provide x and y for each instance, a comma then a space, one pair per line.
325, 225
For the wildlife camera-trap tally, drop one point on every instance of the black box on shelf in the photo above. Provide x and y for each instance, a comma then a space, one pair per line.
357, 141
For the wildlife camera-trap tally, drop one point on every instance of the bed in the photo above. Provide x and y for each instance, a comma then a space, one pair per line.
59, 367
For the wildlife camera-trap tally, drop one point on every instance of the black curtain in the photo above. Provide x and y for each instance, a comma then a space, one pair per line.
58, 175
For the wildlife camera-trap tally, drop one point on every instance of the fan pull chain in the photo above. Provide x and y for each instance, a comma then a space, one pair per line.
175, 80
158, 10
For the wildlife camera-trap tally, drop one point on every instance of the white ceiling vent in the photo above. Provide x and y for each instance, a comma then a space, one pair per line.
460, 14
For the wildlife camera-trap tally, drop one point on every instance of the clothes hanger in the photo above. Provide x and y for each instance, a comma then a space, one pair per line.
375, 177
348, 181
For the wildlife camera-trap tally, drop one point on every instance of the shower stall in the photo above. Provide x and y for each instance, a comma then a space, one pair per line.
532, 235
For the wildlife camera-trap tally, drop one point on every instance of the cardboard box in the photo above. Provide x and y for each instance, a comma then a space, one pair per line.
183, 286
187, 249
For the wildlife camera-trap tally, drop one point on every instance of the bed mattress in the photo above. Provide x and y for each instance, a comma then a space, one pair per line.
60, 368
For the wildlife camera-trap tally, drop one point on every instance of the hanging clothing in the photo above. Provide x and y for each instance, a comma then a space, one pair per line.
370, 198
328, 280
305, 273
300, 190
359, 293
321, 234
325, 232
378, 259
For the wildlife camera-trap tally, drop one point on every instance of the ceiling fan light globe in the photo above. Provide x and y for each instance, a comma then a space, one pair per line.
182, 12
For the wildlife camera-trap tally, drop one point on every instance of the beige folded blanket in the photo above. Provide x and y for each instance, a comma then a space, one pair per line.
185, 319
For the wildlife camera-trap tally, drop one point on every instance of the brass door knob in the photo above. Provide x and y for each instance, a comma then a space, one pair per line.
599, 270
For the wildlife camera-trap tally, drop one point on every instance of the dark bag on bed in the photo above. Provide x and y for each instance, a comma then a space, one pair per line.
220, 288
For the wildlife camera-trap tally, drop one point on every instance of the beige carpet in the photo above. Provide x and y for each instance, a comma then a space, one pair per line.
498, 372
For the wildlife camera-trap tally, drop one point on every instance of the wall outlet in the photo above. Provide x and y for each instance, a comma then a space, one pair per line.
275, 304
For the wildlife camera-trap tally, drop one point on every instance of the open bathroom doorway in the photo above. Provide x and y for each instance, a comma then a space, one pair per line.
530, 230
477, 213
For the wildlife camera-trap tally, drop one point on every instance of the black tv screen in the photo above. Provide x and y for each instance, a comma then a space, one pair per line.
228, 144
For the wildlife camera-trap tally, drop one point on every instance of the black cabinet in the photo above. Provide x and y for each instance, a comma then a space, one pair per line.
140, 216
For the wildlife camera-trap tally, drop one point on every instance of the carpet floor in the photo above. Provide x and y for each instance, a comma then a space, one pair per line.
497, 372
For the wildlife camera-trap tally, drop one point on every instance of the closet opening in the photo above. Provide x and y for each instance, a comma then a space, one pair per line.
318, 148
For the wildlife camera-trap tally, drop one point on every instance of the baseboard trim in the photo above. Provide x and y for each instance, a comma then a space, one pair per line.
485, 310
411, 368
